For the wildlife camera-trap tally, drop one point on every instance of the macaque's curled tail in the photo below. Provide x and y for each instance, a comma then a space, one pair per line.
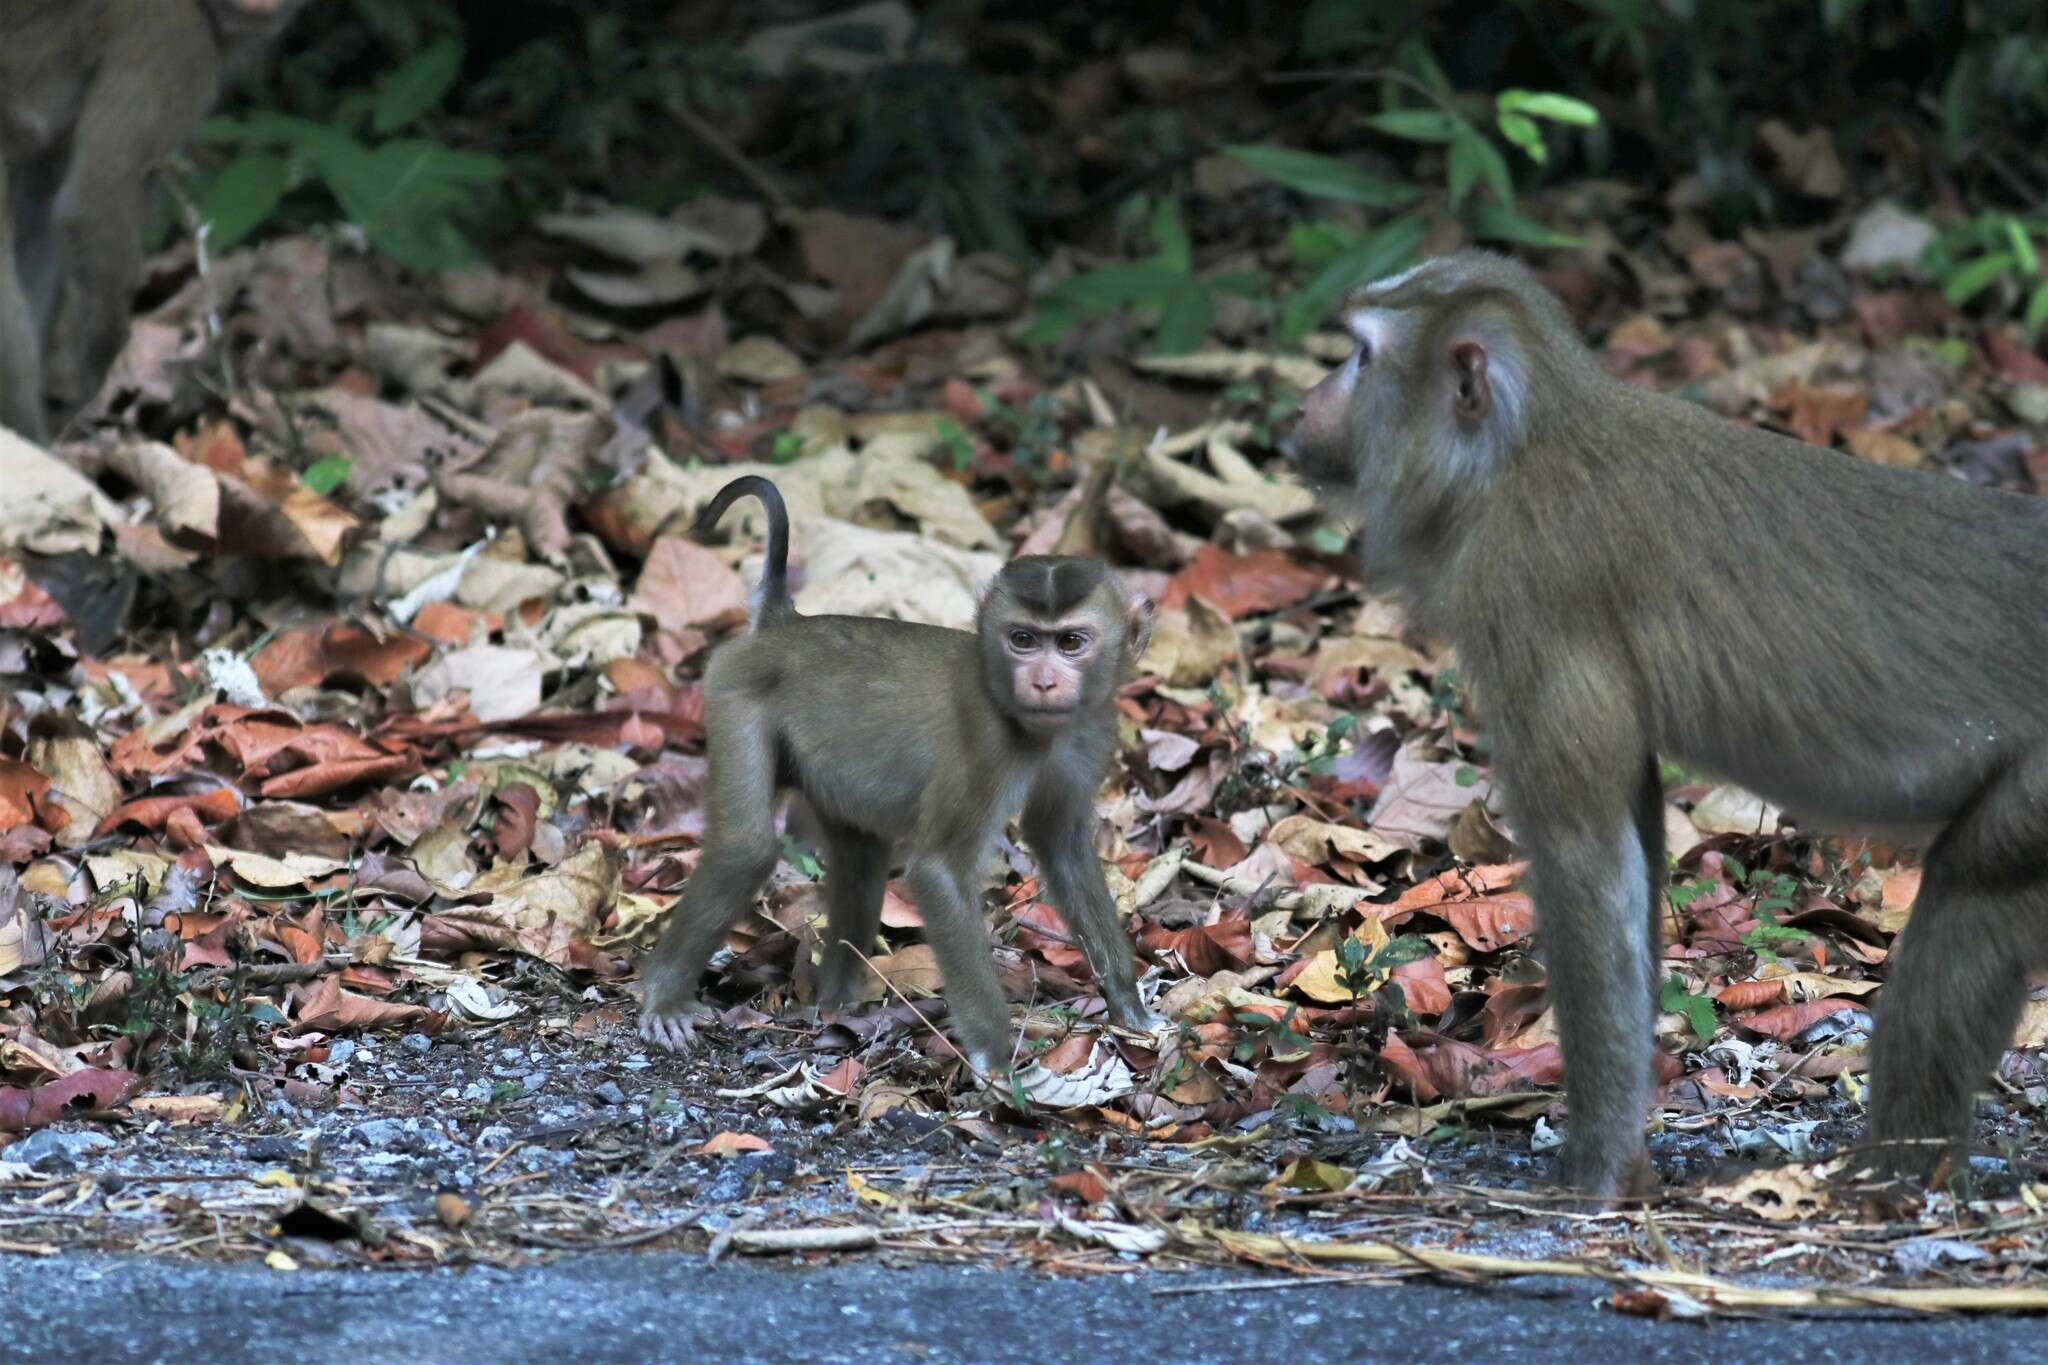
773, 594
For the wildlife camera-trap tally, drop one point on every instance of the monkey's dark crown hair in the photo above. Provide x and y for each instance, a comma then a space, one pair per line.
1051, 584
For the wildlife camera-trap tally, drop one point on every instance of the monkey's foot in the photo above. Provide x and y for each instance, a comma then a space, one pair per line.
1149, 1022
674, 1028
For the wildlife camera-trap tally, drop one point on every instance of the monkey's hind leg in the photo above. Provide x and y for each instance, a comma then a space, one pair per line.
1595, 929
21, 366
739, 852
1959, 978
856, 870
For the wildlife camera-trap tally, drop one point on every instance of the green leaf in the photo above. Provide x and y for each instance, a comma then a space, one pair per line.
409, 197
242, 197
1545, 104
1974, 278
1734, 867
1506, 223
325, 475
1380, 252
1525, 134
1328, 539
1417, 125
1674, 998
1170, 236
1474, 159
2022, 246
1184, 321
1311, 246
1323, 177
416, 87
2037, 312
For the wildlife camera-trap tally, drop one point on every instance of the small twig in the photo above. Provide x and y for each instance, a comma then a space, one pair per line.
633, 1239
730, 153
979, 1076
1294, 1281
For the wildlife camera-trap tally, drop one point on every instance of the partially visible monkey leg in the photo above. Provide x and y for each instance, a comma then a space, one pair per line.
21, 366
856, 870
1062, 840
1959, 978
740, 850
152, 86
1591, 884
958, 936
1649, 814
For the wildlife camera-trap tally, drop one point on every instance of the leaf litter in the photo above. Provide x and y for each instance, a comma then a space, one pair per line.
354, 738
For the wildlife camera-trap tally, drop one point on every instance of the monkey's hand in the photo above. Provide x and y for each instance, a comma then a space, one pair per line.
674, 1028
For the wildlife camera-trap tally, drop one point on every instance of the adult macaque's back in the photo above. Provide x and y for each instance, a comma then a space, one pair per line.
1626, 575
93, 93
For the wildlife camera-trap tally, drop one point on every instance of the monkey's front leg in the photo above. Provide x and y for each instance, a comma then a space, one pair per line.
1065, 849
1594, 926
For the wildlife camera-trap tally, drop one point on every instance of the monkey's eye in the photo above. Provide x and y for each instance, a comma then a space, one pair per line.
1073, 642
1364, 351
1023, 639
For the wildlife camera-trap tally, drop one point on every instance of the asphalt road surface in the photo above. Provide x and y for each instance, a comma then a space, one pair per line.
667, 1307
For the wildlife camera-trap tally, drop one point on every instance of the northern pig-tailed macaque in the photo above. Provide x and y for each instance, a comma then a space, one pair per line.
1625, 575
93, 93
918, 739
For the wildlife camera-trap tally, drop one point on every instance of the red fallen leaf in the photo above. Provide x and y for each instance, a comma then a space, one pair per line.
1207, 948
22, 794
321, 778
1457, 884
1818, 414
518, 811
1491, 922
546, 333
1084, 1185
1423, 986
31, 608
1508, 1011
844, 1077
1237, 585
1789, 1021
82, 1092
731, 1144
323, 1004
305, 942
207, 950
1069, 1054
1041, 930
1750, 995
1217, 842
448, 624
2014, 360
154, 812
295, 658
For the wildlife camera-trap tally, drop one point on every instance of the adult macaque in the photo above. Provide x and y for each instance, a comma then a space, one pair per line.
1623, 575
93, 93
912, 734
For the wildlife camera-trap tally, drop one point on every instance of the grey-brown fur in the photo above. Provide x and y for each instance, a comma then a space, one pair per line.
899, 736
93, 93
1625, 575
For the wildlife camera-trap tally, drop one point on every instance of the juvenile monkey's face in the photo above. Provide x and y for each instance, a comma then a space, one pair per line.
1049, 664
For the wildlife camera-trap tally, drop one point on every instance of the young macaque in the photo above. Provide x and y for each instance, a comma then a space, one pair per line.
1625, 575
898, 734
93, 93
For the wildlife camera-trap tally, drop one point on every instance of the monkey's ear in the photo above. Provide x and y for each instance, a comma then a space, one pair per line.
1138, 624
1473, 398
